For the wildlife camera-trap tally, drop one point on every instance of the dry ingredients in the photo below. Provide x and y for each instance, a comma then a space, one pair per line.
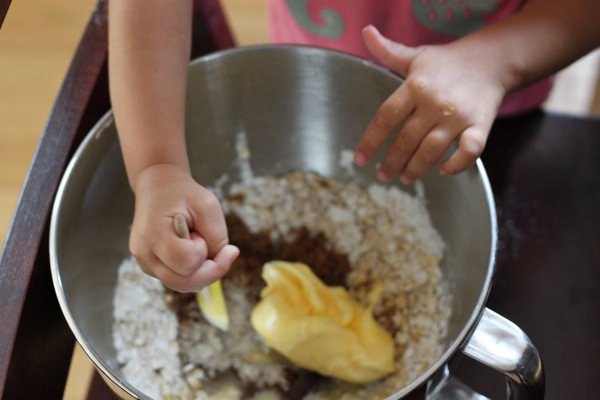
349, 236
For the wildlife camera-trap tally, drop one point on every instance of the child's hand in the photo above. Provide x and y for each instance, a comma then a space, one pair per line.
185, 265
444, 98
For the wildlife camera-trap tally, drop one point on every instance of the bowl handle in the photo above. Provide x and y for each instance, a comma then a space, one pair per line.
503, 346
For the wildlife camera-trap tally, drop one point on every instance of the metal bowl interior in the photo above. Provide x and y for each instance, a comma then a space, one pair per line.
299, 108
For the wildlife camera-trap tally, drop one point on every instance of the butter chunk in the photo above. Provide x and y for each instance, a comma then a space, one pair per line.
320, 328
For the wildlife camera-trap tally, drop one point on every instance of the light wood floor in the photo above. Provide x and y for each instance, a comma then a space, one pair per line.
37, 42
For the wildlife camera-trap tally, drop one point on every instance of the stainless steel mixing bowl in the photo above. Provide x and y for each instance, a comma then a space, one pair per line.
298, 107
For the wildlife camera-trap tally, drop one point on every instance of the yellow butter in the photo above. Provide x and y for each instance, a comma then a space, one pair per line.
320, 328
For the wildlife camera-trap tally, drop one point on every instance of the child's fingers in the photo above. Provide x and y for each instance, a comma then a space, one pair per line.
395, 56
404, 145
470, 146
209, 223
394, 110
182, 256
205, 274
430, 151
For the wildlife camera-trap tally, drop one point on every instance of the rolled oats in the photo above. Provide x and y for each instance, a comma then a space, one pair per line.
387, 237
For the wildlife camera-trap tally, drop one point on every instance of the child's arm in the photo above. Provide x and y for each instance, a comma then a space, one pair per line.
453, 91
149, 43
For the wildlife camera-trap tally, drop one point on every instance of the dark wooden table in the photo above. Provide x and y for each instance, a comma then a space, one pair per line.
545, 174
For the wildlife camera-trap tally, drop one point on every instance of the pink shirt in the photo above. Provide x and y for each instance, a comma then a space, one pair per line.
338, 24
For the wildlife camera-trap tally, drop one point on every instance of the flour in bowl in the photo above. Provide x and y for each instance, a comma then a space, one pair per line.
349, 236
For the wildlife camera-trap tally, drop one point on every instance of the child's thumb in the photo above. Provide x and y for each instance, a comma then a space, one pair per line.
394, 56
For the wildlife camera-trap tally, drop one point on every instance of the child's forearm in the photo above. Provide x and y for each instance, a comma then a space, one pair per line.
542, 38
149, 46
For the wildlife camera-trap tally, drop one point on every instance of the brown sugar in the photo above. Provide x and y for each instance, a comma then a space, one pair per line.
256, 249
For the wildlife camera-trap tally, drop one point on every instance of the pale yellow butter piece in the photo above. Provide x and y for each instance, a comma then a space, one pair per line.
320, 328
